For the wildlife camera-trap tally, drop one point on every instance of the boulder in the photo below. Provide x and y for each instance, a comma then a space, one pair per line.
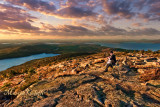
47, 102
154, 82
100, 60
141, 62
152, 60
141, 71
151, 64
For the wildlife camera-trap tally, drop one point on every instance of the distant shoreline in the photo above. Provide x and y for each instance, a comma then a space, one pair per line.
62, 48
8, 63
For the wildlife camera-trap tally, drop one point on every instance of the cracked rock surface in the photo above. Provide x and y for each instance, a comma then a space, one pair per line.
89, 86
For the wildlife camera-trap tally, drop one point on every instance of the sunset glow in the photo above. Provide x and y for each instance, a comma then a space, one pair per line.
79, 19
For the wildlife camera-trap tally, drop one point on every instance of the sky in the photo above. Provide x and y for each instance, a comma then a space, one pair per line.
80, 19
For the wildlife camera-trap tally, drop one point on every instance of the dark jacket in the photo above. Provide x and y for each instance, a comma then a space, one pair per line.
113, 59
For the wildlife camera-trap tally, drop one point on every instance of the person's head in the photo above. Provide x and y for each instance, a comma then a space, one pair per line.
111, 52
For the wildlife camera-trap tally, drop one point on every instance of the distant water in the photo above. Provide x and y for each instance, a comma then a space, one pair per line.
7, 63
50, 43
133, 46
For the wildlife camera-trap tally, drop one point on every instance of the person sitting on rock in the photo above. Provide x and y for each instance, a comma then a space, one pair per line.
111, 61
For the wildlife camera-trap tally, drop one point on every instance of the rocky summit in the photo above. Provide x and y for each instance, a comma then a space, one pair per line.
81, 82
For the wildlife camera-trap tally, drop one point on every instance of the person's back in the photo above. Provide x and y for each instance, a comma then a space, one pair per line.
111, 61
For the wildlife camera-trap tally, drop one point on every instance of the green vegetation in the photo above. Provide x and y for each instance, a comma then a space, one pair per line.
31, 71
67, 51
79, 48
20, 51
13, 51
28, 82
29, 67
6, 85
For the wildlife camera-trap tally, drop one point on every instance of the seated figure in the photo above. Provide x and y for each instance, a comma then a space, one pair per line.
111, 61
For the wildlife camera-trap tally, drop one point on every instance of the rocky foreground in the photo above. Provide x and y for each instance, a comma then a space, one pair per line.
81, 82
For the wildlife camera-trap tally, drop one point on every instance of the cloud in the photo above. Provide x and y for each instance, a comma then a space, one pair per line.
74, 12
113, 31
145, 9
36, 5
80, 3
144, 32
18, 26
15, 19
149, 10
90, 17
68, 30
92, 8
22, 26
71, 9
144, 16
140, 4
118, 7
136, 24
155, 8
152, 1
80, 23
10, 13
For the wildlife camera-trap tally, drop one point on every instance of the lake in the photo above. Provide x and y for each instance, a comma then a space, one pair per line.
133, 45
7, 63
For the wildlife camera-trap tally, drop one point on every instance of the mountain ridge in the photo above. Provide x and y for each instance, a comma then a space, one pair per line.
80, 81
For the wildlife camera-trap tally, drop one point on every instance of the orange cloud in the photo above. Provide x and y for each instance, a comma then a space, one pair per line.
90, 17
136, 24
